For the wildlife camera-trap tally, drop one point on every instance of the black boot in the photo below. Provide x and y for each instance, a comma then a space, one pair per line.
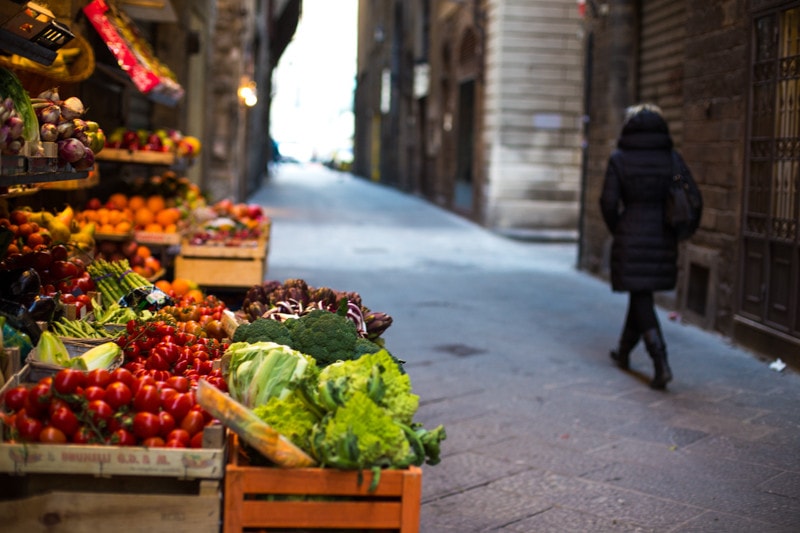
627, 341
658, 352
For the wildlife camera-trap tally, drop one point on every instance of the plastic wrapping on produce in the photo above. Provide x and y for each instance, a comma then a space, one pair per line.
150, 298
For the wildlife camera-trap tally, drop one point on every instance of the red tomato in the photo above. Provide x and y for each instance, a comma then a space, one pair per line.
145, 425
15, 398
193, 422
100, 411
166, 423
56, 404
117, 394
68, 380
164, 393
147, 399
83, 435
197, 440
175, 444
94, 392
99, 377
122, 437
153, 442
38, 401
28, 427
180, 435
120, 421
179, 383
52, 435
141, 381
64, 419
178, 405
124, 375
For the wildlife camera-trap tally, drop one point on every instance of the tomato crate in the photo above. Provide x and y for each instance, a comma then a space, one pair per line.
299, 499
21, 459
224, 266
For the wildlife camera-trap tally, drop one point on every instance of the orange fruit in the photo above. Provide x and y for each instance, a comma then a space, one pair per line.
34, 240
154, 227
171, 228
106, 228
102, 216
123, 227
156, 203
143, 251
196, 295
143, 217
115, 216
167, 216
164, 285
181, 286
136, 202
118, 200
152, 262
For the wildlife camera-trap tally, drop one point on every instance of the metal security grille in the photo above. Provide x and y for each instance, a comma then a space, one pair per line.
770, 245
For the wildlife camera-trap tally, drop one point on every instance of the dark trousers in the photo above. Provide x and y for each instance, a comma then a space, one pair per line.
641, 315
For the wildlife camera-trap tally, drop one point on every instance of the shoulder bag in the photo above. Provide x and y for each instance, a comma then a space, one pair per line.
684, 204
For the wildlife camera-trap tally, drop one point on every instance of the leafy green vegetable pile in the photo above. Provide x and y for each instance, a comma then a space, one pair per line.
350, 414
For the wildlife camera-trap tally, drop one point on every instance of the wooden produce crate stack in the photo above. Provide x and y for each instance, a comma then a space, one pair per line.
224, 266
90, 488
288, 499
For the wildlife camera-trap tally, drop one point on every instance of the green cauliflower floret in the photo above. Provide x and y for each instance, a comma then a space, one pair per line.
263, 330
359, 435
290, 417
379, 376
325, 336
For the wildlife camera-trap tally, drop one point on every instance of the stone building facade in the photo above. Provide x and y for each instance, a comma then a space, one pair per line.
476, 106
726, 73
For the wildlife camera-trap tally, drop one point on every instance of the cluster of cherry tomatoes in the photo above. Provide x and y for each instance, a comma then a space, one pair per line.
161, 350
105, 407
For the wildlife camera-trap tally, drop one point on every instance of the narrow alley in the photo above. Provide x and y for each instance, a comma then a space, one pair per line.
507, 344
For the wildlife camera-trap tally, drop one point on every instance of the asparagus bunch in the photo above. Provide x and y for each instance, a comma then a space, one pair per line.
115, 279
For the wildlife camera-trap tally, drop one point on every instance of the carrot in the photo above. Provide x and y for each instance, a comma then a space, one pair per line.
250, 428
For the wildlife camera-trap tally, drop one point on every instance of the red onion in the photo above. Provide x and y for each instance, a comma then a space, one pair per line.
15, 127
85, 162
49, 114
66, 129
71, 150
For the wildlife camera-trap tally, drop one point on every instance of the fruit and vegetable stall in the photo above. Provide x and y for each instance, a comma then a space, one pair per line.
133, 392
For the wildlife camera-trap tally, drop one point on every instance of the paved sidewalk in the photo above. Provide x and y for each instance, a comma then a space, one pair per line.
507, 345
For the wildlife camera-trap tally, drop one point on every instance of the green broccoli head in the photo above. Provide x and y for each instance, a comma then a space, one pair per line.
263, 330
359, 434
325, 336
365, 346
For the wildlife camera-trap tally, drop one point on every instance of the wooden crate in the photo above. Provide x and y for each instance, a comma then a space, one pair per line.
224, 266
334, 499
79, 488
85, 504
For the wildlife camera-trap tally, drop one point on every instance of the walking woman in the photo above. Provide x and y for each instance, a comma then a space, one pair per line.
644, 251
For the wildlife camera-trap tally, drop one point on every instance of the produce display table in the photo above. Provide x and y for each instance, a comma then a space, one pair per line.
337, 498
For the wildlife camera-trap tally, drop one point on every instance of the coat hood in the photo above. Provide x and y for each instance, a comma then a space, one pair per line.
645, 131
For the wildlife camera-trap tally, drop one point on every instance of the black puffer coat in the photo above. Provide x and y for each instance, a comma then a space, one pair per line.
644, 252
